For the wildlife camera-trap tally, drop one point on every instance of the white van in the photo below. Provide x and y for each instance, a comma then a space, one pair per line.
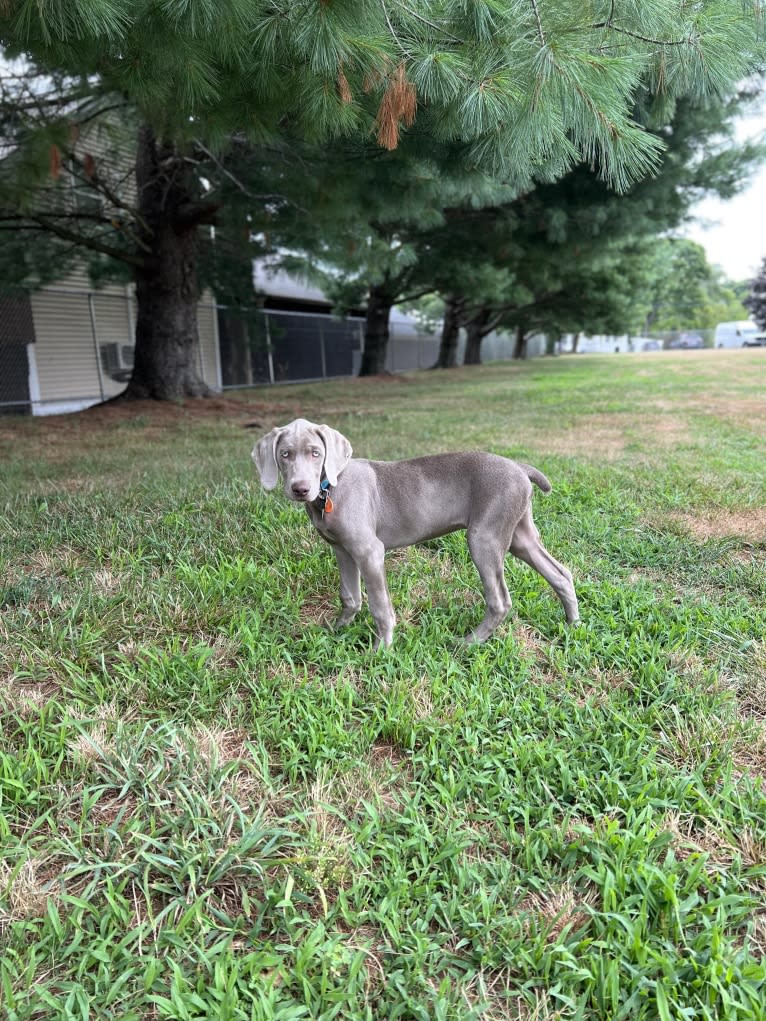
743, 333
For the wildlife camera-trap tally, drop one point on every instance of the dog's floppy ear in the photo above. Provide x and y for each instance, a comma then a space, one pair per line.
337, 452
265, 457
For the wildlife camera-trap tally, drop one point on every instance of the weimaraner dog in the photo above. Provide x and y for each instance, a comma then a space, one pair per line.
363, 508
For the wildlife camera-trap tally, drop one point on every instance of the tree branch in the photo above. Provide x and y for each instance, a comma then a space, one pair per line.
609, 23
495, 321
540, 32
191, 214
415, 295
89, 217
97, 182
99, 112
431, 24
388, 21
268, 197
44, 223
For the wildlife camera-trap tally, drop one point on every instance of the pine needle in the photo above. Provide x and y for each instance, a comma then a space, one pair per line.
343, 87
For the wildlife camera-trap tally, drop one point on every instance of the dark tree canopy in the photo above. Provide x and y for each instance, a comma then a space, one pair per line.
530, 87
520, 94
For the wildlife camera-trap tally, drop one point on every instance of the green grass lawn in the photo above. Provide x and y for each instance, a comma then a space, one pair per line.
214, 807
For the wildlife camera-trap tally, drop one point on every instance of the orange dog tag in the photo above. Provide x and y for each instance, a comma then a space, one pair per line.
328, 506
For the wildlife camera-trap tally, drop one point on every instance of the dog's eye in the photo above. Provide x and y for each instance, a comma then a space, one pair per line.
315, 453
284, 453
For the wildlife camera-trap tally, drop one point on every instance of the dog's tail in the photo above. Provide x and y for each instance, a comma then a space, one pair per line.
537, 477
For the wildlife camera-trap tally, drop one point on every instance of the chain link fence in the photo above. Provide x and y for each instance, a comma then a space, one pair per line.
63, 349
275, 346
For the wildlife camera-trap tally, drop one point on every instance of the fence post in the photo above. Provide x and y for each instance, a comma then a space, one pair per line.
199, 349
129, 307
217, 346
131, 320
322, 352
96, 351
269, 354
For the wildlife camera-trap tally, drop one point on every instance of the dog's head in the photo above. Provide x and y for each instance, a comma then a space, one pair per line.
301, 452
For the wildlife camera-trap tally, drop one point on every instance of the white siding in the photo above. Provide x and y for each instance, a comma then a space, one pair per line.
65, 352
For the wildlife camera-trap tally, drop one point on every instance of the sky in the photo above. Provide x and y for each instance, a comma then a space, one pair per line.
734, 232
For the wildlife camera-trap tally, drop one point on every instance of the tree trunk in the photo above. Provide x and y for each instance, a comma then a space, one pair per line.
379, 305
476, 330
453, 314
575, 342
520, 347
552, 342
167, 355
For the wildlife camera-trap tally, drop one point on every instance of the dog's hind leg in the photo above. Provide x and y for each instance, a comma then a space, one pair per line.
488, 554
526, 546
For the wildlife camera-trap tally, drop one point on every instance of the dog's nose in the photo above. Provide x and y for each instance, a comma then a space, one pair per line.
300, 489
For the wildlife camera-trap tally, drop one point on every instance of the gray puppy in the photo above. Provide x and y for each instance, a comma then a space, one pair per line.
363, 508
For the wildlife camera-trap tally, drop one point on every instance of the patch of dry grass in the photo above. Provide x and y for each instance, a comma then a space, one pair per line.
26, 699
557, 909
721, 846
25, 889
749, 524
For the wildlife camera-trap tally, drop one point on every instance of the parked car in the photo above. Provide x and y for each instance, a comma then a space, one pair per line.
687, 341
651, 345
743, 333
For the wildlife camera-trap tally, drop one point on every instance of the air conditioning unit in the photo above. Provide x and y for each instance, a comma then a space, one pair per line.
117, 361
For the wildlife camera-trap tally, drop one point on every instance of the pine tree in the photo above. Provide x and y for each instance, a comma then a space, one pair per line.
418, 220
367, 211
540, 238
528, 90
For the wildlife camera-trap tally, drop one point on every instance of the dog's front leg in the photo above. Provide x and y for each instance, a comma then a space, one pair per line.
371, 562
350, 587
